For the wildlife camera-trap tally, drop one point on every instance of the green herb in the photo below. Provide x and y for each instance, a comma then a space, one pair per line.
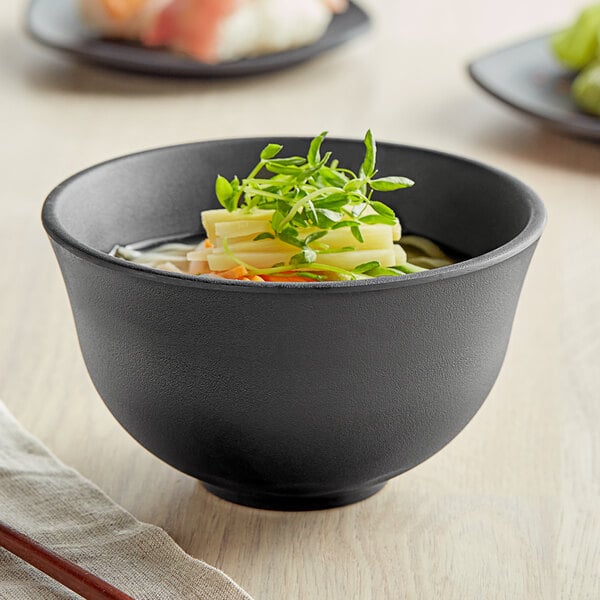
306, 257
366, 267
312, 193
264, 236
408, 268
224, 191
383, 272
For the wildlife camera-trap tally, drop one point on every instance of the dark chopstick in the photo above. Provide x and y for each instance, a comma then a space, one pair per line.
60, 569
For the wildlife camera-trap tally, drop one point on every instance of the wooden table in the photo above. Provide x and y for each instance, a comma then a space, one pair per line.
511, 508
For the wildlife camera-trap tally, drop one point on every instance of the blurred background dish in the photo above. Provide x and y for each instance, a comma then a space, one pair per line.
527, 77
59, 24
578, 48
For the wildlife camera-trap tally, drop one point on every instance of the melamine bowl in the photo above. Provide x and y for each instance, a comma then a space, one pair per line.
282, 395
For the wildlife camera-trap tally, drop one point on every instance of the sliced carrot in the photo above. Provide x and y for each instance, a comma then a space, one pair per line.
236, 272
256, 278
208, 243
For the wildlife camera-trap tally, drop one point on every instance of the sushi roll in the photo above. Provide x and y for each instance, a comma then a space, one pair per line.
214, 31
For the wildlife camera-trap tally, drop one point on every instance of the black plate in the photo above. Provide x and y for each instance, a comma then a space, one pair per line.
527, 77
57, 24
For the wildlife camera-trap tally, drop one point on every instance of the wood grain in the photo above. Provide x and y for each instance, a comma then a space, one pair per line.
509, 508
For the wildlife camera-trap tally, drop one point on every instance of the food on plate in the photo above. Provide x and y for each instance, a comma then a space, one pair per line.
214, 31
578, 47
299, 219
586, 88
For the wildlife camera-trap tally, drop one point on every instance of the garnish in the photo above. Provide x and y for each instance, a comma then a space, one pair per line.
300, 219
311, 196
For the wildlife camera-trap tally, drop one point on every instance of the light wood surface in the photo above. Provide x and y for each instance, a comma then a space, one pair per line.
510, 509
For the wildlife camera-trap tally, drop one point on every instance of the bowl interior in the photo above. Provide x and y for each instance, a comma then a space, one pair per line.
461, 204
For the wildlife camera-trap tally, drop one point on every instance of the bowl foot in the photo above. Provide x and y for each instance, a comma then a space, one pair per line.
293, 503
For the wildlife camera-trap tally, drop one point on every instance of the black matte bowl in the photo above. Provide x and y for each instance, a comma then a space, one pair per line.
292, 396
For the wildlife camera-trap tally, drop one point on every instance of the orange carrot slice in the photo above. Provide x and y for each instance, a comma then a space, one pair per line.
236, 272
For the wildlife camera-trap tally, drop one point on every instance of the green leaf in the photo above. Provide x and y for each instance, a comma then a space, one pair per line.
383, 272
309, 171
337, 250
300, 220
320, 247
368, 266
345, 224
224, 191
332, 177
310, 209
382, 209
276, 220
368, 166
332, 215
290, 160
270, 151
324, 160
307, 256
388, 184
313, 237
331, 204
333, 201
264, 236
280, 169
408, 268
357, 209
378, 220
311, 275
268, 204
357, 234
353, 185
314, 156
290, 236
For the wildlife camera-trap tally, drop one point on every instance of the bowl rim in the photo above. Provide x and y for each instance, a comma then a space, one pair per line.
529, 235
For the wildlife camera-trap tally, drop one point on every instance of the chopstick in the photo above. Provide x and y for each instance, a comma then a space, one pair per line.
60, 569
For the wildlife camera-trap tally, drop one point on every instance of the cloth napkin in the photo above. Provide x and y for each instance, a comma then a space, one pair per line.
57, 507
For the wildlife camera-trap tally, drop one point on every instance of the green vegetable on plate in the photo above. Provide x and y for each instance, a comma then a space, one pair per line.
578, 47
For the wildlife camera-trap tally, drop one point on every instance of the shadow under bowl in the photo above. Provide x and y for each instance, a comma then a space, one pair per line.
281, 395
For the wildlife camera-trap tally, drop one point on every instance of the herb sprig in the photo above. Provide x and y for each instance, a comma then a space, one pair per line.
312, 195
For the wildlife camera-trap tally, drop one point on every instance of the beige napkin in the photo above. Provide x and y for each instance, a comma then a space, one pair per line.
57, 507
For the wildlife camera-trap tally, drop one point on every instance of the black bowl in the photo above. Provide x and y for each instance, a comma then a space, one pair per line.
282, 395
